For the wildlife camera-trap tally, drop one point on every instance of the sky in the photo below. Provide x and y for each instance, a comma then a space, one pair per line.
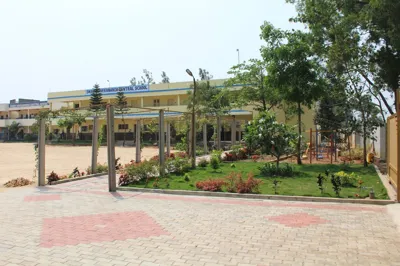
48, 46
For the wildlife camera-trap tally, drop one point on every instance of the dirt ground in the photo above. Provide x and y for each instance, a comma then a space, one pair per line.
18, 159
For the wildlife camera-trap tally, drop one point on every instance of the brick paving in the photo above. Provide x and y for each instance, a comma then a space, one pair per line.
80, 223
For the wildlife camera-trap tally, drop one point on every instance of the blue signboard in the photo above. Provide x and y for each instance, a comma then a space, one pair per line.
113, 90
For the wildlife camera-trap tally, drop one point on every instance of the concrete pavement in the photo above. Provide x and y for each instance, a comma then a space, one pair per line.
80, 223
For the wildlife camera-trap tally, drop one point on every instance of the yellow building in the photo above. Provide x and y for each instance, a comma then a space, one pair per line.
22, 112
145, 100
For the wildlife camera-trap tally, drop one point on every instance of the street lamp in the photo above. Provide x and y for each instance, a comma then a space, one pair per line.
193, 144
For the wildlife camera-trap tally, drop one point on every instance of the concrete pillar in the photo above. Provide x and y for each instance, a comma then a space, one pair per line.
138, 151
218, 132
205, 139
179, 100
95, 143
42, 157
141, 102
29, 114
168, 139
240, 133
233, 131
161, 142
112, 182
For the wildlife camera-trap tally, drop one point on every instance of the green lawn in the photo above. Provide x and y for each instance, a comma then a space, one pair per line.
303, 184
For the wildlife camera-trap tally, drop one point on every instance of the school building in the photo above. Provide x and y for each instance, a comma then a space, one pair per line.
144, 101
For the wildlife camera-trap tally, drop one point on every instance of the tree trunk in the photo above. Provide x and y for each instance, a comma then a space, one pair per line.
365, 145
123, 122
277, 161
299, 140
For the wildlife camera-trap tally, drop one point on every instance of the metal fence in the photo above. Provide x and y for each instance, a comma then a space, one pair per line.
392, 147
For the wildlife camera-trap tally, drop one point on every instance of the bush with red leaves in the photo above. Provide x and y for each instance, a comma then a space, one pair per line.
211, 185
236, 184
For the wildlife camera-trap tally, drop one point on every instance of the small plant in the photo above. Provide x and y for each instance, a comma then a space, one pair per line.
123, 179
211, 185
233, 165
186, 177
101, 168
215, 163
52, 178
203, 162
337, 184
275, 182
320, 182
75, 172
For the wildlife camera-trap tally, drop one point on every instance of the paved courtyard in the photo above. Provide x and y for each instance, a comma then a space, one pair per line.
80, 223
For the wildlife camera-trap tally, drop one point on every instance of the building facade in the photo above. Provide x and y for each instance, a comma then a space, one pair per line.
21, 111
144, 102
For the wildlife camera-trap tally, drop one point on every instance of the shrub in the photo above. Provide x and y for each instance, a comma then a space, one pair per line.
270, 169
18, 182
233, 165
181, 146
354, 154
217, 154
235, 183
52, 177
123, 179
141, 171
118, 165
101, 168
348, 179
251, 185
203, 162
178, 166
30, 137
214, 162
211, 185
229, 157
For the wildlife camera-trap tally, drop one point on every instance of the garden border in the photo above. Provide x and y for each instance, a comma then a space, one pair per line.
256, 196
76, 178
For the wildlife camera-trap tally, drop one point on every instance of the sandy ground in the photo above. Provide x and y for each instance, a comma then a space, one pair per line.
18, 159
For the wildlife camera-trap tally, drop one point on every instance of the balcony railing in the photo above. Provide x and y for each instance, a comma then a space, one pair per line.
19, 105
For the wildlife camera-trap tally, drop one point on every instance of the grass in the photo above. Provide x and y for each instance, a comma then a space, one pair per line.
302, 184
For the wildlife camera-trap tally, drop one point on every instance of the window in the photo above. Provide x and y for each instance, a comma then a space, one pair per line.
1, 117
156, 102
123, 126
22, 116
84, 129
90, 127
76, 105
26, 116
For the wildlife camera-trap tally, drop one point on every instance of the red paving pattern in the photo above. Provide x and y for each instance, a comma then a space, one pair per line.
85, 229
297, 219
42, 198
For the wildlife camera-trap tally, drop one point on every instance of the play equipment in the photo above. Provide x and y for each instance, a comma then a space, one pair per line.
321, 147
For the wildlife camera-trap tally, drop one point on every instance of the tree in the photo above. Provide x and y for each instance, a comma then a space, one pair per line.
165, 78
14, 129
204, 74
275, 139
256, 89
293, 69
152, 127
147, 78
361, 36
121, 108
133, 81
71, 120
96, 100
